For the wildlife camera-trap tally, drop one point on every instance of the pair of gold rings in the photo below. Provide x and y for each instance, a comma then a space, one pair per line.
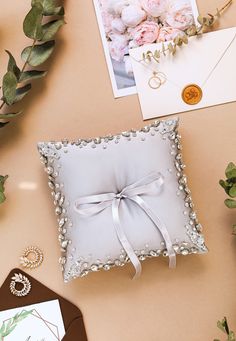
158, 79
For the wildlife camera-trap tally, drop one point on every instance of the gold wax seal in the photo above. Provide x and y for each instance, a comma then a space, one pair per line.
192, 94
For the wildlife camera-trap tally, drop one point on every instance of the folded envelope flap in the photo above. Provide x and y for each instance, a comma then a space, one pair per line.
196, 63
40, 293
192, 63
76, 331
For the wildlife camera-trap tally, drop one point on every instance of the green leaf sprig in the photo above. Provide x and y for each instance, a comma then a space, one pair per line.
224, 327
40, 24
8, 326
2, 188
204, 23
229, 186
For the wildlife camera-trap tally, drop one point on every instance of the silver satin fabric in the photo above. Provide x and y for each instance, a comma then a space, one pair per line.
147, 185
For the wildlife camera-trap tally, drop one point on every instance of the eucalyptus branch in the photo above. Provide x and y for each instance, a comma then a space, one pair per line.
229, 186
16, 82
8, 326
204, 23
224, 327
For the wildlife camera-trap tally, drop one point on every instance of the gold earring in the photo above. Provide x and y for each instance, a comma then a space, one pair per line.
35, 261
19, 278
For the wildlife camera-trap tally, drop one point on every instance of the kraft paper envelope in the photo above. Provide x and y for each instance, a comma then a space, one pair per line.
208, 61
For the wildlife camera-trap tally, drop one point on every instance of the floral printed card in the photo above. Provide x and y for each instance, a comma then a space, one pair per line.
37, 322
126, 24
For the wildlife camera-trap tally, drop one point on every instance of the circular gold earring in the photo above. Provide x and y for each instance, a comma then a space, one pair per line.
32, 257
19, 278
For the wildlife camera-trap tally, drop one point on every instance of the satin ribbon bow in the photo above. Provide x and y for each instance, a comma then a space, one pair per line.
146, 185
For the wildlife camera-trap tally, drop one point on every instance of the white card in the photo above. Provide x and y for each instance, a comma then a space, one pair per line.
44, 323
207, 61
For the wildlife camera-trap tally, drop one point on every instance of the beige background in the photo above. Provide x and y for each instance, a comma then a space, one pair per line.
76, 99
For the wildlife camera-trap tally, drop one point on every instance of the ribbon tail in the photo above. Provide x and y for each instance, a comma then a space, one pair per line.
161, 227
123, 240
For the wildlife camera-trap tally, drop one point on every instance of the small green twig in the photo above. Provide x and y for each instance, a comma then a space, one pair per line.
8, 326
203, 24
224, 327
229, 186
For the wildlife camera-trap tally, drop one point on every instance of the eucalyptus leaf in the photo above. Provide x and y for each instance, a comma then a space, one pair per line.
38, 54
184, 38
232, 191
157, 54
50, 7
200, 19
10, 115
231, 336
51, 28
32, 25
224, 184
22, 92
231, 171
220, 325
192, 31
31, 75
12, 66
230, 203
2, 197
170, 47
2, 124
9, 87
54, 11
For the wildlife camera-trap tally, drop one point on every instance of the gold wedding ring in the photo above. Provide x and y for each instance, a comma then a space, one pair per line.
192, 94
157, 80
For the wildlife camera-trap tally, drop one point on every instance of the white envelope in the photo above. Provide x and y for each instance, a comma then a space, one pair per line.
211, 55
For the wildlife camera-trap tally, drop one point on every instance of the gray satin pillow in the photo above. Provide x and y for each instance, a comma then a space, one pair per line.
121, 198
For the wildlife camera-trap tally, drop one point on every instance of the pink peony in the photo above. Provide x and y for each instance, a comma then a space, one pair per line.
179, 15
145, 33
118, 46
168, 33
115, 7
118, 26
132, 15
155, 8
107, 20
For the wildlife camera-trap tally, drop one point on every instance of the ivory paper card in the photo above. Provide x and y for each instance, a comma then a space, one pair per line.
44, 323
128, 24
207, 61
